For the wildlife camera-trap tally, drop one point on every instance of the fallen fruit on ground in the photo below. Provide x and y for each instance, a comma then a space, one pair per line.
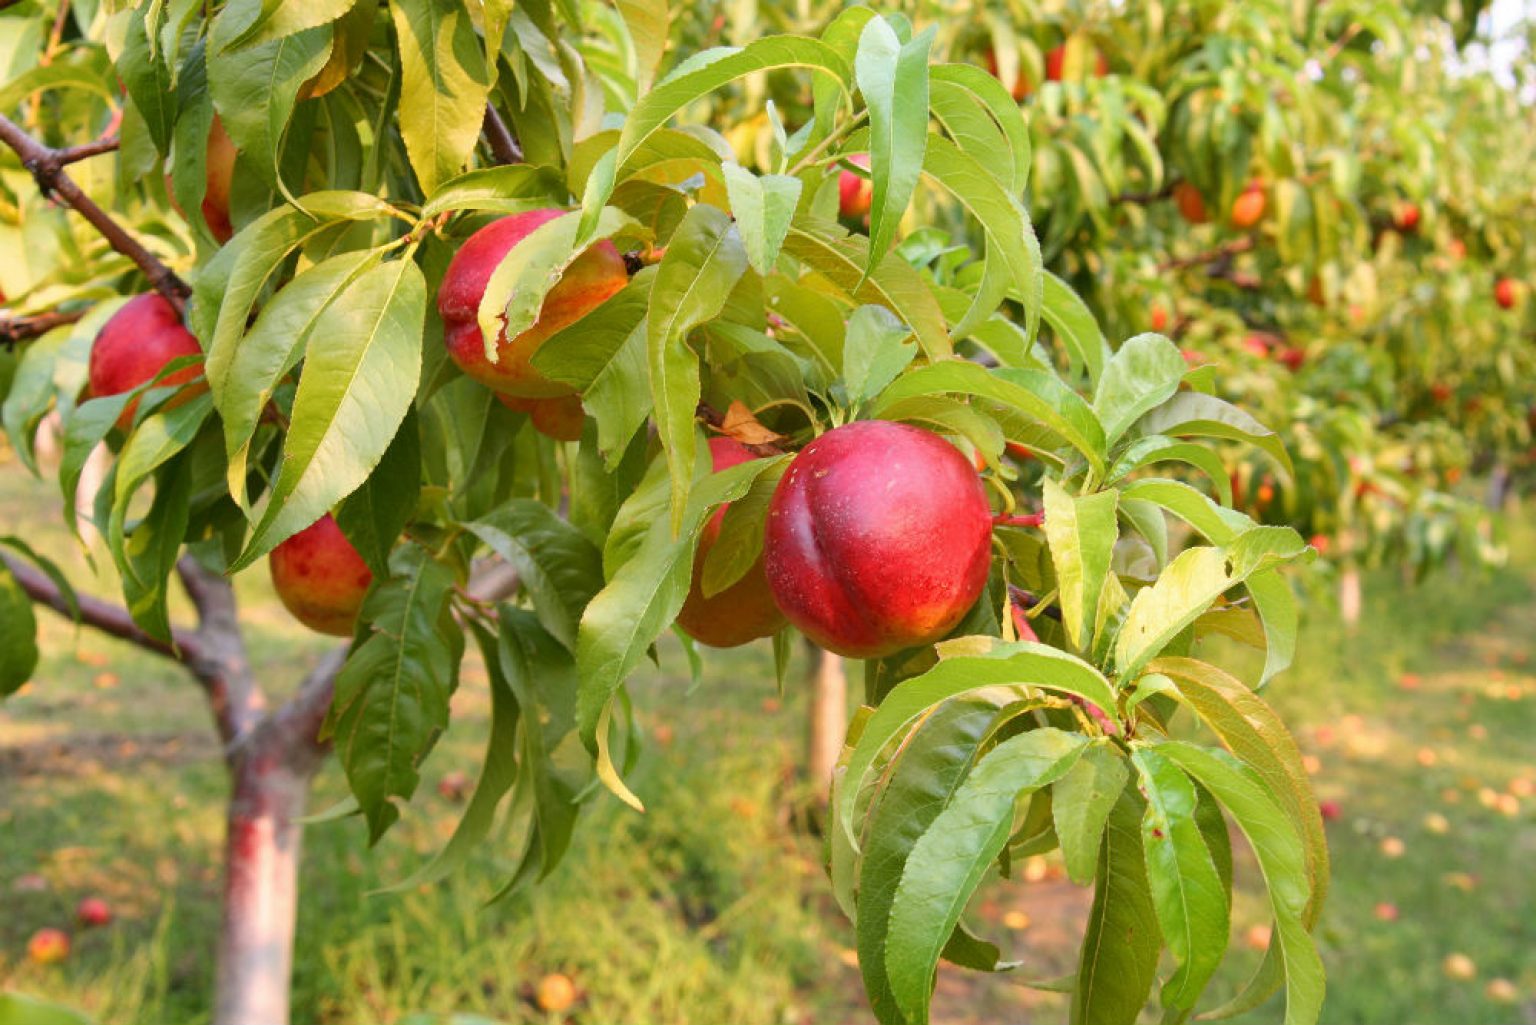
48, 946
590, 280
135, 344
93, 911
744, 611
878, 539
320, 577
555, 992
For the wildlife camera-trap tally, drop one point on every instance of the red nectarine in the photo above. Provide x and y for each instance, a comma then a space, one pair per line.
879, 538
854, 192
135, 344
744, 611
320, 577
1505, 293
1248, 208
1190, 203
590, 280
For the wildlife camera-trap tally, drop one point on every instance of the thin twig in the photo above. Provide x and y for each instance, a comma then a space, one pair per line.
499, 137
1145, 198
74, 154
19, 329
1241, 245
45, 166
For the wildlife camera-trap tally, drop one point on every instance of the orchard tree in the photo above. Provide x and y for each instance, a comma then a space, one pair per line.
475, 324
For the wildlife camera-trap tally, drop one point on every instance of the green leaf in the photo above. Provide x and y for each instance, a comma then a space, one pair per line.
561, 569
977, 112
1276, 604
921, 778
704, 260
739, 544
374, 516
1142, 374
842, 259
392, 694
1082, 533
1021, 664
893, 79
147, 556
255, 91
18, 623
20, 1009
1189, 586
1118, 963
1254, 732
498, 773
1187, 891
647, 21
1075, 326
1194, 414
763, 207
260, 360
643, 597
148, 81
1038, 394
507, 189
708, 71
253, 22
228, 285
1155, 448
1279, 852
352, 397
1013, 252
947, 863
1080, 806
875, 351
444, 84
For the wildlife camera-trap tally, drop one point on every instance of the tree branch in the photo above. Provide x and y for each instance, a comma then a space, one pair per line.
47, 167
20, 329
294, 728
1145, 198
104, 616
1230, 249
219, 659
499, 137
74, 154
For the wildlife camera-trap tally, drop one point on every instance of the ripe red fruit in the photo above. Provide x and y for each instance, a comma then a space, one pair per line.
561, 419
320, 577
1056, 60
854, 193
1440, 392
744, 611
1018, 451
1505, 293
93, 911
878, 539
1407, 217
1159, 319
220, 168
1292, 357
1320, 542
1258, 343
589, 281
1330, 810
1248, 208
1457, 248
1021, 84
48, 946
135, 344
1190, 203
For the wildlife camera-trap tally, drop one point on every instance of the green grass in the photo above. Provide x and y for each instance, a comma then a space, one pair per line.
712, 907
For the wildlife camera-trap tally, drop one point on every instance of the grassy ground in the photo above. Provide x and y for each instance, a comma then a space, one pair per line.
712, 907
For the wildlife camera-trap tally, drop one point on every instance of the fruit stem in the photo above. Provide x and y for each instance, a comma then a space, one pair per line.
835, 137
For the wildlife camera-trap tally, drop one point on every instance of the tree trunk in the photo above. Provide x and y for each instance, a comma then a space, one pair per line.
828, 719
255, 957
1350, 598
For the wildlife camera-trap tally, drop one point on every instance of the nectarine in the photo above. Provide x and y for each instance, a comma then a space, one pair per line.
135, 344
854, 192
561, 418
744, 611
1505, 293
591, 279
1190, 203
320, 577
1248, 208
879, 538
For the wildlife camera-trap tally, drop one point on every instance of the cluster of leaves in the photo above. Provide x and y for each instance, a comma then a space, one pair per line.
326, 386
